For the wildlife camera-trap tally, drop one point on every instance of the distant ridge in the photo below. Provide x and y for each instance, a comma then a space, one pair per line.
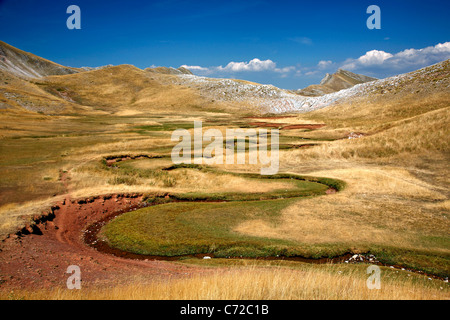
170, 70
28, 65
340, 80
126, 87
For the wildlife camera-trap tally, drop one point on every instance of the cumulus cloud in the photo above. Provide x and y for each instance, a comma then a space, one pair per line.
324, 64
405, 60
377, 63
254, 65
321, 67
285, 69
194, 68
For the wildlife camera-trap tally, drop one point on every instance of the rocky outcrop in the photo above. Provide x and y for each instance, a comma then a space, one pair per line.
340, 80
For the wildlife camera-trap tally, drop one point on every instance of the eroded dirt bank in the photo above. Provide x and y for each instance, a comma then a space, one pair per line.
38, 255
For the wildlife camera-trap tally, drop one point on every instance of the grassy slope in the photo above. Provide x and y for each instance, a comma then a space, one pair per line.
30, 63
126, 88
28, 96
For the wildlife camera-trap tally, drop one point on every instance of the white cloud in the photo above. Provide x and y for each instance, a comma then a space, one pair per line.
324, 64
311, 73
374, 57
376, 63
285, 69
196, 68
254, 65
371, 58
405, 60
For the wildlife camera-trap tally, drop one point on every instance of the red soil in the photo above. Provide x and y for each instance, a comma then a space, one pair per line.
303, 126
267, 124
38, 256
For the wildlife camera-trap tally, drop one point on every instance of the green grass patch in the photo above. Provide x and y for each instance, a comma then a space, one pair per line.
166, 126
198, 225
183, 228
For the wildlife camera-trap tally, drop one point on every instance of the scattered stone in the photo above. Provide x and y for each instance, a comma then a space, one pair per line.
355, 135
356, 258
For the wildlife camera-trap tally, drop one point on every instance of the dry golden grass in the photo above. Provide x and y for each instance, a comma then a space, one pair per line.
12, 214
146, 164
27, 97
127, 90
376, 112
192, 181
425, 133
444, 206
257, 283
129, 144
378, 206
88, 181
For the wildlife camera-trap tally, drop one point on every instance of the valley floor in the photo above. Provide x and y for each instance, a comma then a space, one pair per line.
393, 207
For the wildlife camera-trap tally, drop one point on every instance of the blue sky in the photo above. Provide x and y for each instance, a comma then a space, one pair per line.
290, 44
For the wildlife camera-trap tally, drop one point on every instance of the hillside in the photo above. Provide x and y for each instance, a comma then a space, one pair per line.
401, 121
270, 99
165, 70
126, 89
392, 99
28, 65
19, 94
29, 83
342, 79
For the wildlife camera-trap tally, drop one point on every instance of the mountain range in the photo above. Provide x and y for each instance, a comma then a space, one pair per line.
340, 80
34, 84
